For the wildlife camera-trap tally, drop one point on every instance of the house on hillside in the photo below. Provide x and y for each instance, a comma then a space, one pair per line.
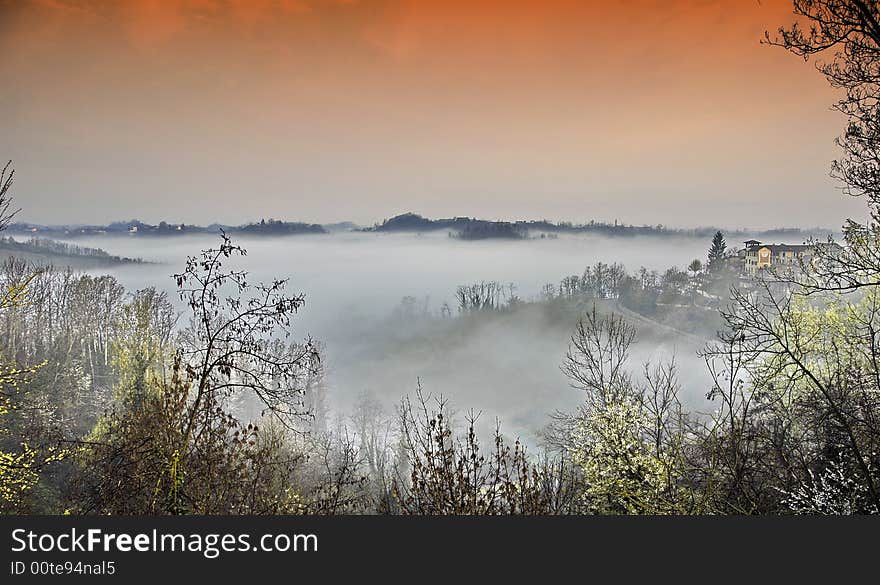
757, 256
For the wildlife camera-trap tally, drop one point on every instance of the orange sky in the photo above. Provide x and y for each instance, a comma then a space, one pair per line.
647, 111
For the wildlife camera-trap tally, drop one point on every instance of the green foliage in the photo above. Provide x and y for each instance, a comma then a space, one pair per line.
622, 471
19, 468
142, 344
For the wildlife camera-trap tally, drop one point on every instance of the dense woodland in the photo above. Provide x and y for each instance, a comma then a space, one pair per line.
113, 403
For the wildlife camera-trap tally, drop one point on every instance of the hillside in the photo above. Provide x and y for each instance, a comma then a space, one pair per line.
43, 251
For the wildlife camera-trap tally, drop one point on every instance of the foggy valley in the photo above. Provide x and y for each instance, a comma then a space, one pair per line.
506, 365
636, 287
382, 307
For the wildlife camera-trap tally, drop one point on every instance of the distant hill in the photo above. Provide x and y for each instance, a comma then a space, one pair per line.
137, 228
118, 228
465, 228
44, 251
274, 227
412, 222
342, 226
475, 229
485, 230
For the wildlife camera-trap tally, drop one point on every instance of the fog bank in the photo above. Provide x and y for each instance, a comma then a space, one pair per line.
506, 365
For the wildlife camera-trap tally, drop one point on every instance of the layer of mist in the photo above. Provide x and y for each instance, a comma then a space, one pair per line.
503, 364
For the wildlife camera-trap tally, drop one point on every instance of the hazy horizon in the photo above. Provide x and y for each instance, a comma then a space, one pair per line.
328, 110
156, 218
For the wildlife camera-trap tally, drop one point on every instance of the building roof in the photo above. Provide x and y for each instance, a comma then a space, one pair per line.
776, 248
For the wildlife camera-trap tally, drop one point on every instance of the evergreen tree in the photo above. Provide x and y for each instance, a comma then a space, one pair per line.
717, 251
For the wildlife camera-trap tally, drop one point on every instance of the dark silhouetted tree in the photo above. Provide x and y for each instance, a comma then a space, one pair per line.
232, 343
7, 212
717, 251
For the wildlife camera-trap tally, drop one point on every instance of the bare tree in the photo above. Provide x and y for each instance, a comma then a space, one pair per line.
7, 212
451, 474
597, 354
230, 345
847, 32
